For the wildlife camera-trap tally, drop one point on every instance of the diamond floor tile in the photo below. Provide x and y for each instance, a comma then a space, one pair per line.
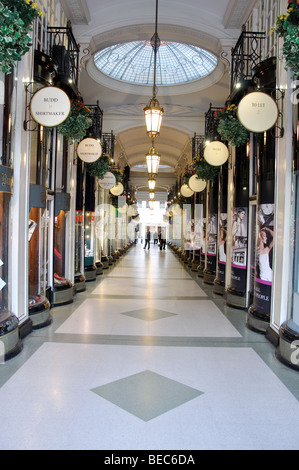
146, 394
149, 314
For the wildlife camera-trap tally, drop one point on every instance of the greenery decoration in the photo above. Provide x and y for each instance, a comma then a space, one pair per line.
76, 124
16, 18
117, 173
287, 27
204, 170
99, 167
230, 128
187, 174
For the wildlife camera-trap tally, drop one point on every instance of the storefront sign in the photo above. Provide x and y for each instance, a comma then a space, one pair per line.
257, 111
50, 106
186, 191
108, 181
6, 179
196, 184
117, 190
216, 153
89, 150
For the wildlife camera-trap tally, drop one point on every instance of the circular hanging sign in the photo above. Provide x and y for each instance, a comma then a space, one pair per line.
196, 184
108, 181
216, 153
117, 189
257, 111
186, 191
89, 150
50, 106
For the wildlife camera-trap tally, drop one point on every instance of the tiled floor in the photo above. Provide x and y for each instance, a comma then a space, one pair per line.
148, 358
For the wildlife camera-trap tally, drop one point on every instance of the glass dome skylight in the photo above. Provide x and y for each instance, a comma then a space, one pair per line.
133, 62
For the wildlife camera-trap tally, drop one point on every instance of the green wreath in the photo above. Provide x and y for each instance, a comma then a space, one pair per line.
287, 27
16, 20
76, 124
99, 167
230, 128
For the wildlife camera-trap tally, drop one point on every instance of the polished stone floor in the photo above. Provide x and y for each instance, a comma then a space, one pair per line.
148, 357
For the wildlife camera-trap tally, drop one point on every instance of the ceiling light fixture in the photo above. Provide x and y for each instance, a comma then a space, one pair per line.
152, 160
151, 183
153, 112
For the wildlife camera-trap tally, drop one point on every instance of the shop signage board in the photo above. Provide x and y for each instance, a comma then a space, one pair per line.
257, 111
108, 181
89, 150
50, 106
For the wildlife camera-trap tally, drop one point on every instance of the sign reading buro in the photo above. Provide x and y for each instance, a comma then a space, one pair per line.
89, 150
196, 184
50, 106
108, 181
257, 111
216, 153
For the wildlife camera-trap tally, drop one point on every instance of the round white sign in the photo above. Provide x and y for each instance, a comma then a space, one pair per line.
108, 181
216, 153
186, 191
117, 189
196, 184
50, 106
89, 150
257, 111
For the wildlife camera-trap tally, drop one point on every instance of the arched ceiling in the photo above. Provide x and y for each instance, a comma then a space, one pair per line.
211, 24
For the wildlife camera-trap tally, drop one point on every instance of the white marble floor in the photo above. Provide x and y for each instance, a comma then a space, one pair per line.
147, 358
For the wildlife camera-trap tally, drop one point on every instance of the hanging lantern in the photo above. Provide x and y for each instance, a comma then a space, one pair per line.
153, 118
151, 184
152, 161
152, 195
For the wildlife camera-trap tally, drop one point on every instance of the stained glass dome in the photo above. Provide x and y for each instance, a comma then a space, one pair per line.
133, 62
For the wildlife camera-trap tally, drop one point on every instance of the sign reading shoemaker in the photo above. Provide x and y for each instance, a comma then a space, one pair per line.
257, 111
89, 150
50, 106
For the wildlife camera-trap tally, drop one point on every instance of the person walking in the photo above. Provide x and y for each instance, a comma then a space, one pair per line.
163, 239
147, 239
155, 236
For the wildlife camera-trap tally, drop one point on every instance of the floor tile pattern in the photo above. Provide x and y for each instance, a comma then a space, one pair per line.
148, 357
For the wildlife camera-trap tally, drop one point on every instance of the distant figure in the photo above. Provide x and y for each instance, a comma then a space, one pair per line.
147, 239
163, 240
155, 236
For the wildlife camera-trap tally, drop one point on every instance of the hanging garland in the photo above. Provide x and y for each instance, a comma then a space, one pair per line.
204, 170
117, 173
76, 124
230, 128
287, 27
16, 18
99, 167
187, 174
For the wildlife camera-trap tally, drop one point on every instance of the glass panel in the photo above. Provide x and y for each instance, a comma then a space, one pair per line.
133, 62
4, 284
295, 268
89, 241
59, 247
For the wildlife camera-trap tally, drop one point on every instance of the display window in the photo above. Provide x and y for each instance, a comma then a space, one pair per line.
79, 240
4, 240
89, 239
38, 222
